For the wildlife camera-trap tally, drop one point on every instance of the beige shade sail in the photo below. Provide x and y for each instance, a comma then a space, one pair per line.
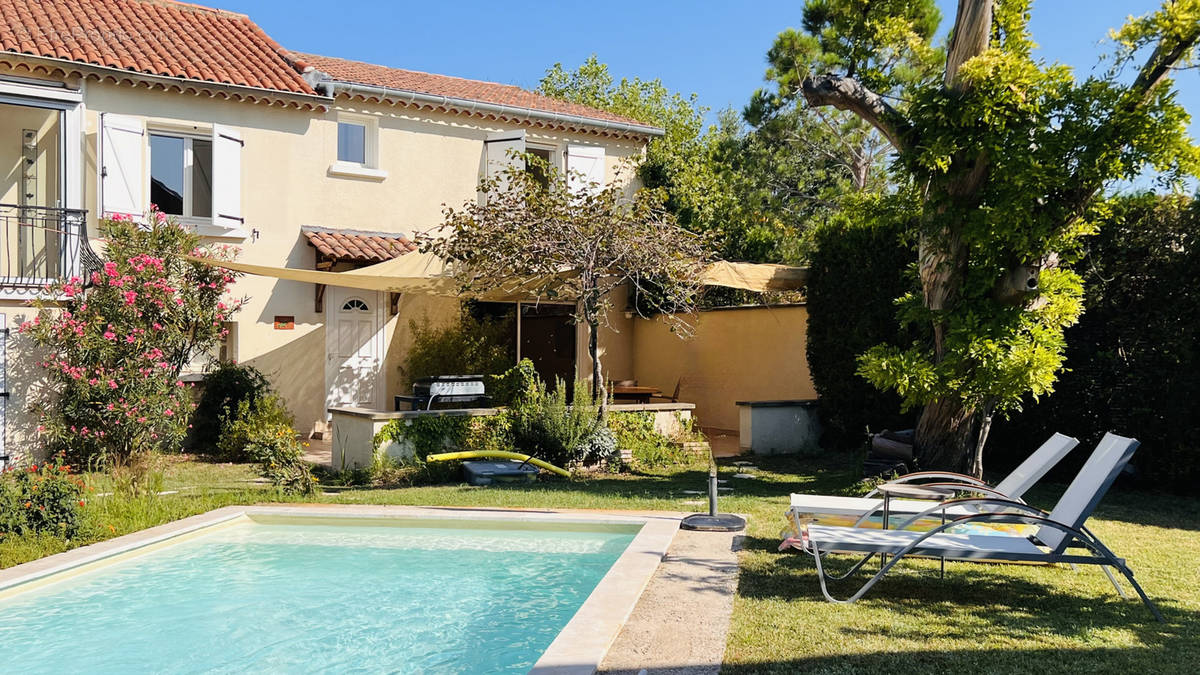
426, 274
757, 277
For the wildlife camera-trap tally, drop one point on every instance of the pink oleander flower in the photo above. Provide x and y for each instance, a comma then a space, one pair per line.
130, 297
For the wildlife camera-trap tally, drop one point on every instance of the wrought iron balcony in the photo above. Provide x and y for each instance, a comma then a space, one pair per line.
39, 245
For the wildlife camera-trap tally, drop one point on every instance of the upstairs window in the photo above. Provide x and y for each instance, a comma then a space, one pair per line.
538, 171
181, 175
352, 143
357, 148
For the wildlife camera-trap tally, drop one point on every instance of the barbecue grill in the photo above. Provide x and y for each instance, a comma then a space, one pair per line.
446, 391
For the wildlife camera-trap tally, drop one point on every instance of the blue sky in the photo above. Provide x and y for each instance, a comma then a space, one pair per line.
715, 49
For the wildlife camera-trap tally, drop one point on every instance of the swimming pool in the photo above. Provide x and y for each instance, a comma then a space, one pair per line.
287, 593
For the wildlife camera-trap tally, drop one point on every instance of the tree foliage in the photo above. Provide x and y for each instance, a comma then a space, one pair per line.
887, 45
675, 161
467, 346
1130, 358
859, 263
550, 242
753, 195
1008, 153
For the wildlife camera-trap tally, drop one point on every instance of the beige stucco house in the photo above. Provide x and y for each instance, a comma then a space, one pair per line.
303, 161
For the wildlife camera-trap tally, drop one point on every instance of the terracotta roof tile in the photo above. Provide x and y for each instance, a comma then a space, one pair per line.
444, 85
356, 245
154, 37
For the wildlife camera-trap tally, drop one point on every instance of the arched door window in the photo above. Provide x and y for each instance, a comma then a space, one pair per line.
355, 305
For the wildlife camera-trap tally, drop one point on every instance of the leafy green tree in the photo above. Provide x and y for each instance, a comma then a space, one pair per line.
1009, 154
750, 190
1139, 332
886, 45
677, 162
548, 241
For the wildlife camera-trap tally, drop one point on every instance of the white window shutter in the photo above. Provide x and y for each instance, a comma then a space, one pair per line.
498, 150
227, 177
585, 169
122, 148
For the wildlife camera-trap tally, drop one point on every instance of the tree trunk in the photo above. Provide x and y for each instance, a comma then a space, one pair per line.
946, 434
594, 353
985, 427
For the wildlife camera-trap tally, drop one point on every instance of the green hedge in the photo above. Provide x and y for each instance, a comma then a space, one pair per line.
858, 268
1132, 361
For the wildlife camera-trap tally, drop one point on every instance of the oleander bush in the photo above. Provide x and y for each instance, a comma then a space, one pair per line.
114, 343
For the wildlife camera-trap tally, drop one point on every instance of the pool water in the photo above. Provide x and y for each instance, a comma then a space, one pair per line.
271, 597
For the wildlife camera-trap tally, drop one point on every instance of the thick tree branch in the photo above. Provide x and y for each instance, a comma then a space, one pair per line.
1152, 74
969, 37
846, 93
1159, 65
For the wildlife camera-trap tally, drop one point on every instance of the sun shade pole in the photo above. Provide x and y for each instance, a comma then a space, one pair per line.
713, 521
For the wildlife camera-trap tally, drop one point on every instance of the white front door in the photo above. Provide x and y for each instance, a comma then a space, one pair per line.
353, 348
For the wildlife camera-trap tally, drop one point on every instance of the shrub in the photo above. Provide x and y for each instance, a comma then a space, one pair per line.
224, 389
600, 449
1131, 359
278, 451
549, 427
40, 499
116, 342
428, 434
431, 434
240, 426
635, 432
513, 385
857, 270
468, 346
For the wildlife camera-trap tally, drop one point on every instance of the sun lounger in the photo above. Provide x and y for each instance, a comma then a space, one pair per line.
859, 511
1056, 531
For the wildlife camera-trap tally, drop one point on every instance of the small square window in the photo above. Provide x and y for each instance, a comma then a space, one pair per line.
352, 143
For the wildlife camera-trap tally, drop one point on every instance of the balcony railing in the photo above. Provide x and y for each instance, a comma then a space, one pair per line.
39, 245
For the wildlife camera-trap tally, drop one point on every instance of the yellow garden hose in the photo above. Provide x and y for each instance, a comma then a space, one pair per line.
497, 454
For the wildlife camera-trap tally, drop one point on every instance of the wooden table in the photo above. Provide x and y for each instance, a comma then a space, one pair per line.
633, 394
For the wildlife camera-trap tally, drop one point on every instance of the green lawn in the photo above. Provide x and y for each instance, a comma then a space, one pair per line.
980, 618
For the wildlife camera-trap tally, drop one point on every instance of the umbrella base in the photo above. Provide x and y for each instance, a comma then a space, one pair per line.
721, 522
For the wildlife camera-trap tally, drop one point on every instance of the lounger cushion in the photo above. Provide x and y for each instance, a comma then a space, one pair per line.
942, 545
